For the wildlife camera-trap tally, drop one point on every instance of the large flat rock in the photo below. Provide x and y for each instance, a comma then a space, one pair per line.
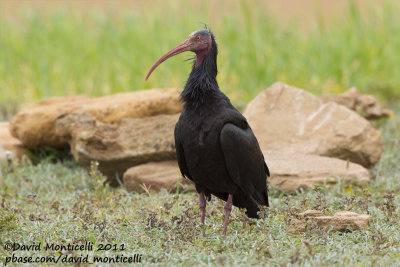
292, 171
289, 119
35, 125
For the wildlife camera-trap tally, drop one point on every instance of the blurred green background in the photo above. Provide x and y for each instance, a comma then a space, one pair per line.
50, 48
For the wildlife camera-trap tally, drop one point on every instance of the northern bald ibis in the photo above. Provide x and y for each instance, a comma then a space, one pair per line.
215, 145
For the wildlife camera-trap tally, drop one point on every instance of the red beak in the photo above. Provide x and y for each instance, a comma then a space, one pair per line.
182, 47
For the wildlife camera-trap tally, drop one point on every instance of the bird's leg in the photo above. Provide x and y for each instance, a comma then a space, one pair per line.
202, 206
228, 208
202, 209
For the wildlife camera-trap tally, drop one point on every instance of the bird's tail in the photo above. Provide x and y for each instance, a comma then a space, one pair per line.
252, 210
260, 199
264, 195
253, 203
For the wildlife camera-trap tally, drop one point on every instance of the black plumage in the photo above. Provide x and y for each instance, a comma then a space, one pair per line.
215, 145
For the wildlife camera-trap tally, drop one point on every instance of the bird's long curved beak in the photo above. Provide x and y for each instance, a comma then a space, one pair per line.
182, 47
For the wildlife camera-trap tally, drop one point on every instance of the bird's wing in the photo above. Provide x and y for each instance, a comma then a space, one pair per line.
245, 161
179, 152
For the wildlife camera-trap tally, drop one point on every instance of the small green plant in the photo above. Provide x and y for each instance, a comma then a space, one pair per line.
389, 207
8, 221
101, 188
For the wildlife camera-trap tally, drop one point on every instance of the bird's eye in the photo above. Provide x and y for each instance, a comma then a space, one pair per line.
198, 37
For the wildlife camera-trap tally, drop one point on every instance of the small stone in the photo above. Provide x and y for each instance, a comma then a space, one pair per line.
341, 221
10, 147
311, 213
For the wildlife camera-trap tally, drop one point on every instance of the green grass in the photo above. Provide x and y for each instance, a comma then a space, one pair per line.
60, 202
96, 53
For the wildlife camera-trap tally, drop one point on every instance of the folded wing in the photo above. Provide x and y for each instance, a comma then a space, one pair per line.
245, 162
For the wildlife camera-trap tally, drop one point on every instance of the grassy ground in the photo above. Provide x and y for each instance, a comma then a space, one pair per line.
59, 202
96, 53
56, 201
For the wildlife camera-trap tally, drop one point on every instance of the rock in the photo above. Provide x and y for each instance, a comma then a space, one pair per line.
119, 146
366, 105
35, 124
289, 119
343, 219
154, 176
311, 213
340, 221
291, 171
10, 147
